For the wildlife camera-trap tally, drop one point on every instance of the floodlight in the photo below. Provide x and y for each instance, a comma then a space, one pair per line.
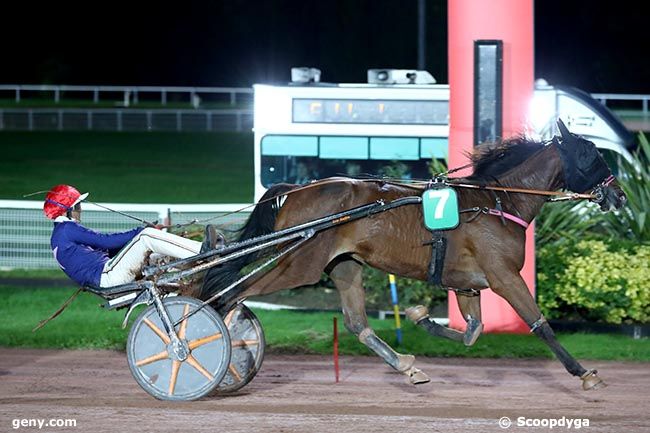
399, 76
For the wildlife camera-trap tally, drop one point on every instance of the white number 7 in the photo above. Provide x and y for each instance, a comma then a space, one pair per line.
443, 196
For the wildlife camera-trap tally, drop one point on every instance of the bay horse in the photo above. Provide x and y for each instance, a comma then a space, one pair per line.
483, 251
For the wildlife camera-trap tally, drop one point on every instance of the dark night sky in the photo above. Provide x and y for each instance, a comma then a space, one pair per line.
596, 46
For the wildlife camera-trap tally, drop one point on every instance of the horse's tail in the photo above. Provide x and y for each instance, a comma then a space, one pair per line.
260, 222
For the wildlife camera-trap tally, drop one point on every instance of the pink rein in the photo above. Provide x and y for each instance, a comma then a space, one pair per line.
508, 216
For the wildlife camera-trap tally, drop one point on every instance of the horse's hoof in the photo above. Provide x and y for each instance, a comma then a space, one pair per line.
417, 313
473, 331
405, 362
417, 376
591, 381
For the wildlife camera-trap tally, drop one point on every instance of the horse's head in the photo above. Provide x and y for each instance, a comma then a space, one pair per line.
586, 170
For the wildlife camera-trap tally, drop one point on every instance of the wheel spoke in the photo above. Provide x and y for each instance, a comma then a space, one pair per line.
153, 358
205, 340
234, 372
183, 328
244, 343
176, 365
194, 363
157, 331
230, 316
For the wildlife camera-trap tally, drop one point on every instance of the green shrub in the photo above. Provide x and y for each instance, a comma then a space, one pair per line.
562, 220
592, 280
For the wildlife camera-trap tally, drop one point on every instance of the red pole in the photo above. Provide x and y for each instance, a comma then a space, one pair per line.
510, 21
336, 351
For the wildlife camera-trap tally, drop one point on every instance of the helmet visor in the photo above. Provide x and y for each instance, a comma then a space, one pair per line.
81, 198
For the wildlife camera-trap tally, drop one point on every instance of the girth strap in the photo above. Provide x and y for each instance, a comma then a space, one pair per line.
438, 251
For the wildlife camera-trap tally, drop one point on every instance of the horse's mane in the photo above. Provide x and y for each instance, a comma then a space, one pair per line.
491, 160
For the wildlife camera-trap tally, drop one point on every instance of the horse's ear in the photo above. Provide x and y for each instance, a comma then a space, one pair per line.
563, 129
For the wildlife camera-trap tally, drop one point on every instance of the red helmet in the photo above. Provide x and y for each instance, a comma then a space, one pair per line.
61, 199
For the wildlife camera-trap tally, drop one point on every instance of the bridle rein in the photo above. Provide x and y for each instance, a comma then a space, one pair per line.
597, 194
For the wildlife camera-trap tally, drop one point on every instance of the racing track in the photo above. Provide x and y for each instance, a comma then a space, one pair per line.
298, 393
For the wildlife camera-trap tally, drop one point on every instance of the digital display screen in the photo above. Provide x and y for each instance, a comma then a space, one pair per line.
405, 112
488, 101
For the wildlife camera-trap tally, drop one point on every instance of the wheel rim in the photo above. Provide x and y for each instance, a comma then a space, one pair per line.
153, 363
247, 348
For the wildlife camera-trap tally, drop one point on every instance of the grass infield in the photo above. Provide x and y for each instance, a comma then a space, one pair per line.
130, 167
85, 325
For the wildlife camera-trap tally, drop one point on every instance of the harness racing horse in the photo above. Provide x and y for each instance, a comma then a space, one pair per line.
483, 251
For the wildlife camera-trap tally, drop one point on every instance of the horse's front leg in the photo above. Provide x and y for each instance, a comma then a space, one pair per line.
347, 276
511, 286
469, 303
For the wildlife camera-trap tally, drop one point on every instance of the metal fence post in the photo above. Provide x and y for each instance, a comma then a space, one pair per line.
163, 97
135, 96
59, 120
233, 98
96, 95
645, 107
149, 121
208, 121
119, 120
89, 120
30, 120
178, 121
57, 96
17, 94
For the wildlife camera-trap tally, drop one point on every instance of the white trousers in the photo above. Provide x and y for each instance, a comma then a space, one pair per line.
124, 267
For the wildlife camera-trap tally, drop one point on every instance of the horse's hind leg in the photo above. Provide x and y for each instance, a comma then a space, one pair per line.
469, 303
470, 307
513, 289
347, 275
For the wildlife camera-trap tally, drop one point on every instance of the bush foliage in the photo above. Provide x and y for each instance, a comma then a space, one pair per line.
593, 280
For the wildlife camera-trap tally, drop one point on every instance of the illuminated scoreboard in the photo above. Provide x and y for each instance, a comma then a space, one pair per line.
383, 111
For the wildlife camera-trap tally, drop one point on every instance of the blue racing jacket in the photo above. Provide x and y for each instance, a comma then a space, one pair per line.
82, 253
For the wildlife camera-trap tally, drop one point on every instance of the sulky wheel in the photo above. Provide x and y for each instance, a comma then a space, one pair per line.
247, 341
157, 367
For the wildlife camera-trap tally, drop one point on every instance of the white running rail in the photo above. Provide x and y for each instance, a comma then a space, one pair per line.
25, 232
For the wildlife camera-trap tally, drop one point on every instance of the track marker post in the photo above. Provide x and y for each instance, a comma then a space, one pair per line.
393, 293
336, 350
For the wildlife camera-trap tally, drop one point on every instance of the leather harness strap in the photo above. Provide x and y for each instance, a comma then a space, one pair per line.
572, 195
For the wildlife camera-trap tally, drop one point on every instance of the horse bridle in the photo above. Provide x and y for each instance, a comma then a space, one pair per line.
599, 191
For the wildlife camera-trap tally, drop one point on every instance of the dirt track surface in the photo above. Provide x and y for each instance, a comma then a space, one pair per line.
298, 394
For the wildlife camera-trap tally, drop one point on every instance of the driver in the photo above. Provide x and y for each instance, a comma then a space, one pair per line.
103, 260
